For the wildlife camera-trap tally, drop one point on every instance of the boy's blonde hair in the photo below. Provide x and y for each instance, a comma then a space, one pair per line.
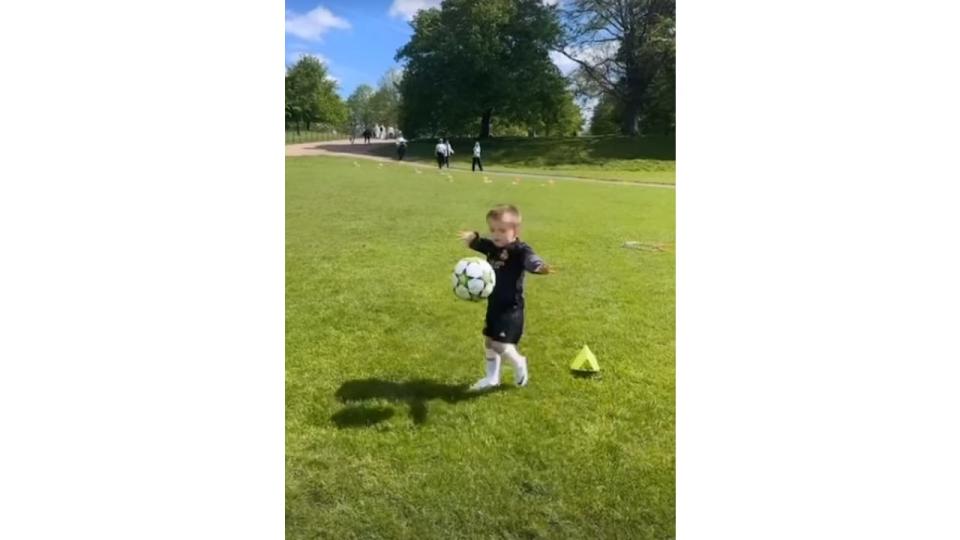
503, 212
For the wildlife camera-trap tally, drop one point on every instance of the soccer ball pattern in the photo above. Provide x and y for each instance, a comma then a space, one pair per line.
473, 279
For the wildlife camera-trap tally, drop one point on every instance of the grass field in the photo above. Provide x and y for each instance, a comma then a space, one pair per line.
638, 159
383, 441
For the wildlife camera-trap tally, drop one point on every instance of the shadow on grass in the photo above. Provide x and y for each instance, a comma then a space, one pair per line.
415, 394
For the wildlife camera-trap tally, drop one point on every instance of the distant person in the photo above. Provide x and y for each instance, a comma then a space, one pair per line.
448, 153
441, 153
366, 136
401, 146
476, 157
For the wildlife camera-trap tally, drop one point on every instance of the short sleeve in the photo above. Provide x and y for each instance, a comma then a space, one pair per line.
531, 261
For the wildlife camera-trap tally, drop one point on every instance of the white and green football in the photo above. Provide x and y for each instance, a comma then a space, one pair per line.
473, 279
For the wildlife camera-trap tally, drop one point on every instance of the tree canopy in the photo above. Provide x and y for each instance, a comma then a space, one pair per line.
473, 60
626, 51
311, 95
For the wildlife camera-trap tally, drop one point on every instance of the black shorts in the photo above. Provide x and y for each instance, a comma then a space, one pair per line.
504, 325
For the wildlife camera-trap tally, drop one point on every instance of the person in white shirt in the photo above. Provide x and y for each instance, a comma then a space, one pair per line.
476, 157
448, 153
441, 153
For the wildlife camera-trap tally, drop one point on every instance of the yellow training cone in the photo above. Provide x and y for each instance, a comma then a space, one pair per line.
585, 361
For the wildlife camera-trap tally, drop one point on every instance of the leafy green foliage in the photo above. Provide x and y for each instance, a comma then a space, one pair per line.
625, 50
385, 102
311, 96
475, 60
606, 116
360, 115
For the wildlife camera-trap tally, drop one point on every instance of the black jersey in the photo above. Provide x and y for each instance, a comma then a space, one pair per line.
509, 263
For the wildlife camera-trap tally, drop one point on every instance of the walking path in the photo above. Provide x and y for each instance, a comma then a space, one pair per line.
366, 151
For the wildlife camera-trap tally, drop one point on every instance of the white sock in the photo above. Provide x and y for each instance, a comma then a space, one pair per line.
513, 356
493, 365
518, 362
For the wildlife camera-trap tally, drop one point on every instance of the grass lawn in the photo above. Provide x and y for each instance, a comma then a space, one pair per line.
382, 441
636, 159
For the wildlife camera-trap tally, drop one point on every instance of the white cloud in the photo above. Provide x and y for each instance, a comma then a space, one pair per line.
406, 9
565, 64
550, 2
312, 25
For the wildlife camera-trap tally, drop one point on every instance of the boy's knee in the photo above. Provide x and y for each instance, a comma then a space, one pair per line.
497, 346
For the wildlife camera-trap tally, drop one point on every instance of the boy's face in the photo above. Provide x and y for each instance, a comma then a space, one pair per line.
502, 231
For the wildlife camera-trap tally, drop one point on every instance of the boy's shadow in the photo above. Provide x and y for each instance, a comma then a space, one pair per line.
414, 393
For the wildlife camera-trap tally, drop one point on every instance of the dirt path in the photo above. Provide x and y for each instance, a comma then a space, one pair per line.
362, 150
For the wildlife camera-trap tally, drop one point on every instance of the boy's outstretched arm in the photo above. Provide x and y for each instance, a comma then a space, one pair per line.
476, 242
534, 264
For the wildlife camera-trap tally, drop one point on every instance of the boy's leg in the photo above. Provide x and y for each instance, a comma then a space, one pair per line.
519, 362
491, 376
504, 329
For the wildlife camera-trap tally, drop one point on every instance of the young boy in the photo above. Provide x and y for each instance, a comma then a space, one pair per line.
503, 326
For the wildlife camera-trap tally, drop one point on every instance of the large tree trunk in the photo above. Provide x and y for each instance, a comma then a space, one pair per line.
637, 80
485, 124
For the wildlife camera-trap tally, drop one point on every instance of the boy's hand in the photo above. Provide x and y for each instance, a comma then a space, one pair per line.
546, 269
467, 236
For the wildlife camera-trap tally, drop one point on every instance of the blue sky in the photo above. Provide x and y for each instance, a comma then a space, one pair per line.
356, 38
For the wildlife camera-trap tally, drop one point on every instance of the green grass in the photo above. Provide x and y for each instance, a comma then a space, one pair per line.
633, 159
382, 441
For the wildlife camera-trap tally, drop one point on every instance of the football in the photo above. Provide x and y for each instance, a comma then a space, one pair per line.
473, 279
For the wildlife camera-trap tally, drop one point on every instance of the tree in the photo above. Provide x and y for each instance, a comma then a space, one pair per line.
476, 59
358, 107
606, 116
624, 49
385, 102
311, 96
